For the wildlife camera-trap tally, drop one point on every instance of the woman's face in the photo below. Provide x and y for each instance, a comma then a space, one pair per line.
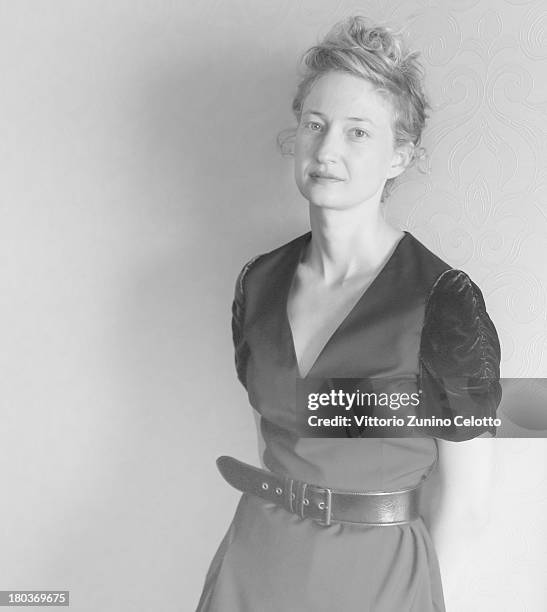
344, 150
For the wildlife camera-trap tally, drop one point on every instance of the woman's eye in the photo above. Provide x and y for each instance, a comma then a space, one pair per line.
313, 126
359, 133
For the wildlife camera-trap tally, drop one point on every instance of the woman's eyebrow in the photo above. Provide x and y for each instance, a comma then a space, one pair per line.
364, 119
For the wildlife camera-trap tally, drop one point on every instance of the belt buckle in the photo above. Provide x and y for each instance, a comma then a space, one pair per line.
324, 505
298, 501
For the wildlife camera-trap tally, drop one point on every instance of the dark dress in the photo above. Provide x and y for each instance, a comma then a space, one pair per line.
419, 321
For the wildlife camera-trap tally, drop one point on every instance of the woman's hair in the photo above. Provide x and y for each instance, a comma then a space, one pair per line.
380, 56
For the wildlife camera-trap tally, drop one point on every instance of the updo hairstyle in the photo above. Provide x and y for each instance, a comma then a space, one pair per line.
380, 56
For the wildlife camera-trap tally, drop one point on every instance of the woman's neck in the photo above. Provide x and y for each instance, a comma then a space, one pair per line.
349, 244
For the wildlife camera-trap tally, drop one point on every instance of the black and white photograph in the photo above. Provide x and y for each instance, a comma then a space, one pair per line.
274, 305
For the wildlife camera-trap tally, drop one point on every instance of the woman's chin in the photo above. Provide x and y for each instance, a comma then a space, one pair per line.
329, 201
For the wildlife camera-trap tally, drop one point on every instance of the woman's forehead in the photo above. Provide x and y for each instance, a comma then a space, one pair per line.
341, 95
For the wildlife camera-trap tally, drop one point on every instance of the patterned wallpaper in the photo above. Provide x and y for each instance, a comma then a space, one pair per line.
484, 205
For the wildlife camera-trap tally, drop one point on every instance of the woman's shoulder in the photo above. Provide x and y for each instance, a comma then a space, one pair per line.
423, 264
448, 286
454, 309
263, 265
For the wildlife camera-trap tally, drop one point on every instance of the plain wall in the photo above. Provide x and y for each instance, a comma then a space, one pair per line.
139, 173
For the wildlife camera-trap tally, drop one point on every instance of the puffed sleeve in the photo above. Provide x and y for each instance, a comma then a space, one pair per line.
459, 360
241, 349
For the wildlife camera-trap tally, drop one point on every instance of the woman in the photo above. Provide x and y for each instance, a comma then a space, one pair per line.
334, 523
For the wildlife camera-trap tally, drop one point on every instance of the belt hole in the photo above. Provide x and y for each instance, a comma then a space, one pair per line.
278, 491
265, 486
321, 505
306, 502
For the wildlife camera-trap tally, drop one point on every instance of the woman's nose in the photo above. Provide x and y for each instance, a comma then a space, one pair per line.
328, 148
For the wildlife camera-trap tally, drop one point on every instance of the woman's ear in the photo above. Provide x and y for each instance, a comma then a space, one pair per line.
402, 156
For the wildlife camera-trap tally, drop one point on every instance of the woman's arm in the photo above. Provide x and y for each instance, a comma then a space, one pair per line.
461, 509
460, 359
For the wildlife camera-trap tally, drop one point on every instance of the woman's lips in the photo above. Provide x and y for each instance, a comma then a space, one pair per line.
329, 178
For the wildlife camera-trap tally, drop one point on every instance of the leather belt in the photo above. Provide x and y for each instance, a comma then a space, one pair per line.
322, 504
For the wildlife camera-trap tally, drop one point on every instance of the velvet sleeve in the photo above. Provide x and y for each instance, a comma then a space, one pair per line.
459, 360
241, 349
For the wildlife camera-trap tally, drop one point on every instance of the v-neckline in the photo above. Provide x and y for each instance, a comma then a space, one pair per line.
299, 251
